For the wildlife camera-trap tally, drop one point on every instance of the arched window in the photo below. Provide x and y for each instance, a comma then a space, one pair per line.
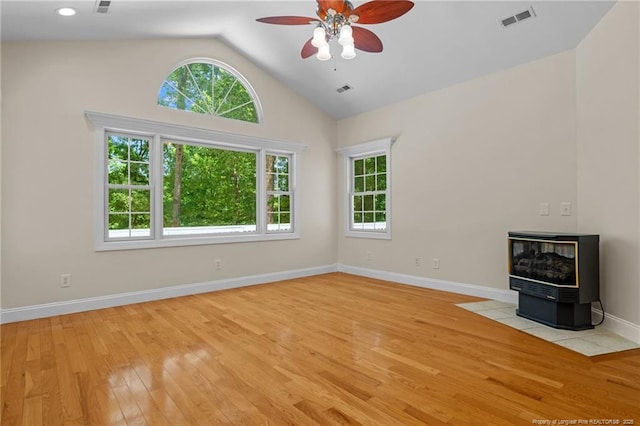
207, 86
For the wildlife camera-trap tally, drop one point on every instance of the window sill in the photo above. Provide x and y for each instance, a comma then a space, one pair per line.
365, 234
180, 242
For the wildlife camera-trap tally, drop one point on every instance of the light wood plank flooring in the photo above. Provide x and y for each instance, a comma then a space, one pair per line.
329, 349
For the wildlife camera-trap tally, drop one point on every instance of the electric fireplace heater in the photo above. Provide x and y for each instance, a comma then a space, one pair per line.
556, 276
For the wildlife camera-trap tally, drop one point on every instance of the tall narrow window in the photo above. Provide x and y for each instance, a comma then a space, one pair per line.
210, 87
278, 193
128, 187
367, 195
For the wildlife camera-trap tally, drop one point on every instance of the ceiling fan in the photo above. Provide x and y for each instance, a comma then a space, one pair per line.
335, 20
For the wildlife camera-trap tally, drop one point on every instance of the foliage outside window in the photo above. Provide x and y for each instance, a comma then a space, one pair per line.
193, 187
209, 87
208, 190
367, 189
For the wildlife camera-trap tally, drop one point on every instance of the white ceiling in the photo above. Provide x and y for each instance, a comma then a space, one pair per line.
435, 45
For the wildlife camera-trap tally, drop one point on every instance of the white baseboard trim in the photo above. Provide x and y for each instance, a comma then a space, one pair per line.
622, 327
508, 296
89, 304
616, 325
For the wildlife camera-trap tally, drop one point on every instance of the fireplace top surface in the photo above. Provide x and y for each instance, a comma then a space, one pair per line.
547, 235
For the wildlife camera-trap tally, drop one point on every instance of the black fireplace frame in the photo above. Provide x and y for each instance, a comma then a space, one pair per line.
566, 305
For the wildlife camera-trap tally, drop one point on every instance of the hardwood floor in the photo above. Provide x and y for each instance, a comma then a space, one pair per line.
329, 349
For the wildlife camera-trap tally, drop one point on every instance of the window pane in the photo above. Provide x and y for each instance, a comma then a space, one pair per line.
381, 164
370, 183
381, 202
358, 185
381, 217
381, 182
368, 202
119, 200
119, 221
118, 147
208, 190
368, 217
141, 222
139, 174
370, 165
139, 150
141, 201
358, 167
357, 217
357, 203
118, 172
285, 201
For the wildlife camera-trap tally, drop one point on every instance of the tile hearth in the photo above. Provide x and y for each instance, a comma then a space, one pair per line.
596, 341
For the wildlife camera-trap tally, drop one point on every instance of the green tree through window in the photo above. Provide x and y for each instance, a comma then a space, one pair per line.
210, 88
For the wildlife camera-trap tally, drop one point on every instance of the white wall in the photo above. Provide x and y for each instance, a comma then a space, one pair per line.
48, 169
608, 135
471, 163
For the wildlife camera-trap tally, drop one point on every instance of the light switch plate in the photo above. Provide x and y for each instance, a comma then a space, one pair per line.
544, 209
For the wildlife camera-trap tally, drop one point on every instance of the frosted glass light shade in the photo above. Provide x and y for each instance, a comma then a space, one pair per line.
324, 53
319, 37
346, 35
348, 51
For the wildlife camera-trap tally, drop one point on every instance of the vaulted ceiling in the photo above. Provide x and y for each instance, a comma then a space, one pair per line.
435, 45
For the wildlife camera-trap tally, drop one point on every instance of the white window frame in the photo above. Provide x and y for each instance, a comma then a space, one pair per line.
159, 131
350, 153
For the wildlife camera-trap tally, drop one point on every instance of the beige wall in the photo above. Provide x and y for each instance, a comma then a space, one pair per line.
48, 169
608, 135
470, 163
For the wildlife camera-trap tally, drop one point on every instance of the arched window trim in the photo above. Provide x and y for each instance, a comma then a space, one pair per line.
241, 78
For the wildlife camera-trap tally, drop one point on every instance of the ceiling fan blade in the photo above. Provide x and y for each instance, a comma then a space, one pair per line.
308, 49
339, 6
287, 20
365, 40
378, 11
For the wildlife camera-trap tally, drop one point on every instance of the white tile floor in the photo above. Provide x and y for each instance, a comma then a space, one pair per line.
596, 341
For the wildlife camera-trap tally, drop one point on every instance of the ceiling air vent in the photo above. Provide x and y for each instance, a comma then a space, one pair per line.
518, 17
343, 88
102, 6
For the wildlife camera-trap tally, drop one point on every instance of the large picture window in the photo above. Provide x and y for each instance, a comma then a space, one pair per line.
193, 187
367, 175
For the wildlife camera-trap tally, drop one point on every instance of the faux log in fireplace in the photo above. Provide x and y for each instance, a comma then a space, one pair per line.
556, 276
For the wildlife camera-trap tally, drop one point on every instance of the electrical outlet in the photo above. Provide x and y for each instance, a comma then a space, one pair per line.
65, 280
369, 256
418, 261
565, 208
436, 263
218, 264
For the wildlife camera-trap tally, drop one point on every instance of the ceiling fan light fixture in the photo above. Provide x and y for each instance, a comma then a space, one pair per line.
324, 53
334, 21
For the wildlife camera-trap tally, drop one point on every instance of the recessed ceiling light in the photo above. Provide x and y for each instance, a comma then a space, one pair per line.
66, 11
